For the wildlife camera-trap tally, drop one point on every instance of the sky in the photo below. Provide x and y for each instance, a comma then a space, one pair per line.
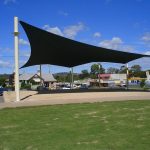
117, 24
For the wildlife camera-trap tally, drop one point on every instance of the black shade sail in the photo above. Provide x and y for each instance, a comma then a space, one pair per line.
48, 48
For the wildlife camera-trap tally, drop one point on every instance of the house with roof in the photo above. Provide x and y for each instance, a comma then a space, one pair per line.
112, 79
35, 80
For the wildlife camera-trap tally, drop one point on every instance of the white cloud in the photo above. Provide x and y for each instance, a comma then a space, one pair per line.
127, 48
69, 31
5, 49
144, 63
25, 54
54, 30
9, 1
4, 64
73, 30
22, 62
23, 42
97, 34
63, 13
114, 43
146, 37
147, 53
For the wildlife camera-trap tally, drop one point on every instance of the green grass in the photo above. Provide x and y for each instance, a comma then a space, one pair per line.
97, 126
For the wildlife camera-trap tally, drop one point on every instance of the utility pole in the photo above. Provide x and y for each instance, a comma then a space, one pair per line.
16, 47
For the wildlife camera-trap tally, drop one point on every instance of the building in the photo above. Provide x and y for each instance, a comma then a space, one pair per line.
35, 80
112, 79
135, 80
109, 80
148, 75
148, 79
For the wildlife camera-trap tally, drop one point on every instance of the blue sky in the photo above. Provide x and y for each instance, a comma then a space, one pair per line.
117, 24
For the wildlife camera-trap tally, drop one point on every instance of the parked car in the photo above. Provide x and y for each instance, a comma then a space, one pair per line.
66, 87
2, 90
84, 86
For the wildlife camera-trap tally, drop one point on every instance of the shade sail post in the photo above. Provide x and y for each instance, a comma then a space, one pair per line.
71, 78
41, 75
16, 47
49, 68
127, 76
99, 75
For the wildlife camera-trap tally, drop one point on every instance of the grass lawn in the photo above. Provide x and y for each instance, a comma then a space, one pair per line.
97, 126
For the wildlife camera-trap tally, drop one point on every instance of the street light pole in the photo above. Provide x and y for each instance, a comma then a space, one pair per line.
16, 47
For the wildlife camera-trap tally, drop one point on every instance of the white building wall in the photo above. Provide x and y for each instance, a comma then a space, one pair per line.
118, 77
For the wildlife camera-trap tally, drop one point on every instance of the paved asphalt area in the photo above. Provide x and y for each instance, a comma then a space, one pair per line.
1, 99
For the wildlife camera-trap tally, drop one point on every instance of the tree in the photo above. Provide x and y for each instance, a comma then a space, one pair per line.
84, 74
136, 68
95, 70
142, 83
66, 77
141, 74
112, 70
2, 81
123, 69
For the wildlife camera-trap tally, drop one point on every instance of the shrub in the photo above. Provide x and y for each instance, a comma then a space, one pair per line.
142, 83
25, 86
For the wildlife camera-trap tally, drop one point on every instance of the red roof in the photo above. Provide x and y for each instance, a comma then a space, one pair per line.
104, 75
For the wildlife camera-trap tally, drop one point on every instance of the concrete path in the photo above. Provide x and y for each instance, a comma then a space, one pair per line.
1, 99
68, 98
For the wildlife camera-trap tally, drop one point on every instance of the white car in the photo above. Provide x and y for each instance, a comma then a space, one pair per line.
66, 88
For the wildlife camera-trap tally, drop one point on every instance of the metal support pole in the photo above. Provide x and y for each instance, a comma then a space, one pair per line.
72, 77
49, 69
127, 76
41, 75
16, 46
99, 76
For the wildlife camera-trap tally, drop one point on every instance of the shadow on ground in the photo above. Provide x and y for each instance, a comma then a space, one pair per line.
90, 90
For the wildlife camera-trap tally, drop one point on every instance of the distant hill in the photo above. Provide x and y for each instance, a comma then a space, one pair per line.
4, 75
64, 74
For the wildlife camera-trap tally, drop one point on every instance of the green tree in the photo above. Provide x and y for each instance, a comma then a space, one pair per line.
141, 74
136, 68
2, 81
84, 74
142, 83
123, 69
60, 78
112, 70
96, 69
